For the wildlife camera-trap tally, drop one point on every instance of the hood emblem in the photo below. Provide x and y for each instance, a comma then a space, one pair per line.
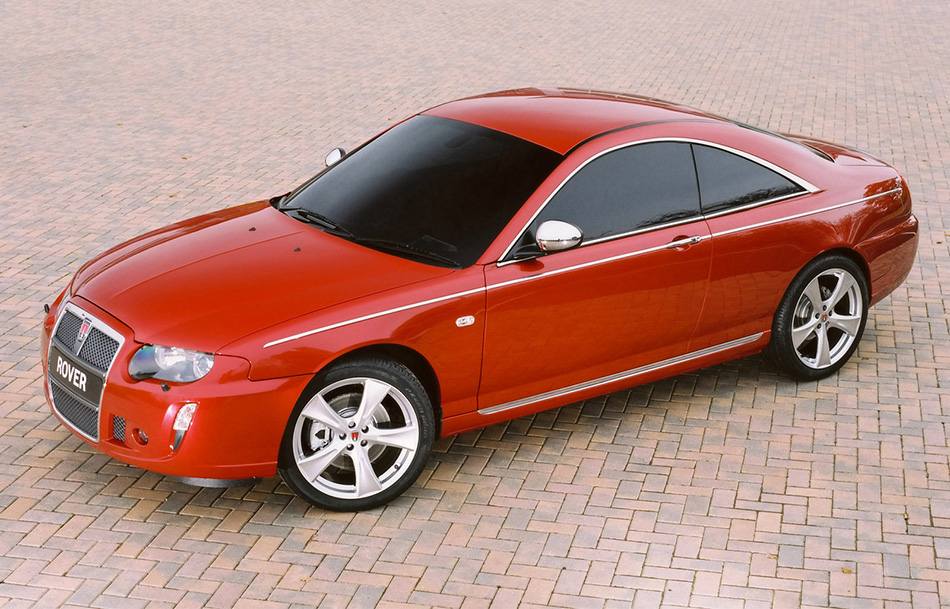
83, 334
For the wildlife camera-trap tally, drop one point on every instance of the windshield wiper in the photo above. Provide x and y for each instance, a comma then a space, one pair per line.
328, 225
276, 201
312, 217
402, 248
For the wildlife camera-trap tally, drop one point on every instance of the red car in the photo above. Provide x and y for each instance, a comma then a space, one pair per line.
482, 260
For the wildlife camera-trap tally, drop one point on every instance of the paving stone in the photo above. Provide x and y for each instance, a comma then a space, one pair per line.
726, 487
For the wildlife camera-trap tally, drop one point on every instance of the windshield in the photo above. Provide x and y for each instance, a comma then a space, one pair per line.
433, 186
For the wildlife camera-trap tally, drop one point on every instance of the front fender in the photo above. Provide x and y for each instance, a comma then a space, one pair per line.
442, 319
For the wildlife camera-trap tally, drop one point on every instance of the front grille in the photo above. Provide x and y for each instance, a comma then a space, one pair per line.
68, 330
77, 407
118, 428
82, 416
99, 349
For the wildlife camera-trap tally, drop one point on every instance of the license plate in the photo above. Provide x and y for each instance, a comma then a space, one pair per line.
75, 376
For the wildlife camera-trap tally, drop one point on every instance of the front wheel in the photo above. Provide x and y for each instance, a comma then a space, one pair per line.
360, 438
821, 318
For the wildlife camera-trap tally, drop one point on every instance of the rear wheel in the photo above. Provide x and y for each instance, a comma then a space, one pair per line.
821, 318
360, 439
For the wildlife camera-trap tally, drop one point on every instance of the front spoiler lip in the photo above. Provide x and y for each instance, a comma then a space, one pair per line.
215, 482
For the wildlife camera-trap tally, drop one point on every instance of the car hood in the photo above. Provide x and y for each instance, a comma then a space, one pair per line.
208, 281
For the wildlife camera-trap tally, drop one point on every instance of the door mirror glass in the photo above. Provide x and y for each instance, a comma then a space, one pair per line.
555, 236
334, 156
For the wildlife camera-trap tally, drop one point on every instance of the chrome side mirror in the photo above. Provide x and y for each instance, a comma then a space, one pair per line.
334, 157
555, 236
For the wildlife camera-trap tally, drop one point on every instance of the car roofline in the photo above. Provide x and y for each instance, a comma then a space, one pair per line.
634, 126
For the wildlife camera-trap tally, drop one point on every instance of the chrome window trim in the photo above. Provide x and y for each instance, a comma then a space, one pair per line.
588, 264
748, 206
572, 268
619, 376
805, 184
808, 186
640, 231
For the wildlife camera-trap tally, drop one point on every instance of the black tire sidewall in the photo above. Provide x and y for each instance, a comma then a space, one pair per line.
397, 375
781, 350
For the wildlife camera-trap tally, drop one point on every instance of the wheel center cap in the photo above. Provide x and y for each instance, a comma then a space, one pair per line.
355, 436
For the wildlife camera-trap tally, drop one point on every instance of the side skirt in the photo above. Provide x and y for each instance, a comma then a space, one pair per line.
620, 376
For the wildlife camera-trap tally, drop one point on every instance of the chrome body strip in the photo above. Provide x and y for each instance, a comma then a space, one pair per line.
691, 240
619, 376
803, 214
373, 316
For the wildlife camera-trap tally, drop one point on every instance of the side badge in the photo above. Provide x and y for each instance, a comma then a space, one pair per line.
465, 321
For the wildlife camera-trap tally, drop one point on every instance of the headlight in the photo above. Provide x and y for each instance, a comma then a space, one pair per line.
169, 364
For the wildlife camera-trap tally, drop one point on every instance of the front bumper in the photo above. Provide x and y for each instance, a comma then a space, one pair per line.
237, 426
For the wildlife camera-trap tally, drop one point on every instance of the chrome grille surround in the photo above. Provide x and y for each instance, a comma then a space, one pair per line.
97, 352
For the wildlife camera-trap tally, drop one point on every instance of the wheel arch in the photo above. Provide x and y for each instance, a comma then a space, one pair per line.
336, 490
854, 256
408, 357
779, 346
847, 252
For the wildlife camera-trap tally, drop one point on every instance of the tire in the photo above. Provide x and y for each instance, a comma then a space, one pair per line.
821, 318
359, 437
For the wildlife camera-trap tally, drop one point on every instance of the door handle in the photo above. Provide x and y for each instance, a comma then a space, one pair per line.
682, 242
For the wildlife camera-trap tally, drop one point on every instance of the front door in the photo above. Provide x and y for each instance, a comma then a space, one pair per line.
628, 296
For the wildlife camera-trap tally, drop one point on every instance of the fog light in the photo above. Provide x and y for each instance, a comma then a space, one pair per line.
140, 436
185, 416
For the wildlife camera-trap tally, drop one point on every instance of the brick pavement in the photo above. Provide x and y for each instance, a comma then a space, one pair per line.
728, 488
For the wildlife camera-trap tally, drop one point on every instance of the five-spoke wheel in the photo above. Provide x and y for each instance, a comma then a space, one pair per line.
821, 318
360, 438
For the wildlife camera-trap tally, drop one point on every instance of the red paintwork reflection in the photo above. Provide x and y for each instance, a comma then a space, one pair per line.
192, 284
278, 301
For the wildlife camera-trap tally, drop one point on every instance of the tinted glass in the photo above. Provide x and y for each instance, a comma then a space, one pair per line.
628, 189
729, 180
432, 184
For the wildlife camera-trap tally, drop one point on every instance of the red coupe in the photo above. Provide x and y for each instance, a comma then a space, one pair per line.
482, 260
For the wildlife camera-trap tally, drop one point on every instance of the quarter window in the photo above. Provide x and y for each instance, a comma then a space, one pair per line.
728, 180
626, 190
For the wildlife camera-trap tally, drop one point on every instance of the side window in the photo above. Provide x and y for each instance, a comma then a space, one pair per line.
728, 180
626, 190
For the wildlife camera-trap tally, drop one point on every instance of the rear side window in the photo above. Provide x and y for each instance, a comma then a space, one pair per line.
728, 180
627, 190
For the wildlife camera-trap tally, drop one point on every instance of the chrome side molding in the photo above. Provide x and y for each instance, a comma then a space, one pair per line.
619, 376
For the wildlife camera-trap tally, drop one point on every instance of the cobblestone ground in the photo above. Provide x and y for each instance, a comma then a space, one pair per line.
732, 487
